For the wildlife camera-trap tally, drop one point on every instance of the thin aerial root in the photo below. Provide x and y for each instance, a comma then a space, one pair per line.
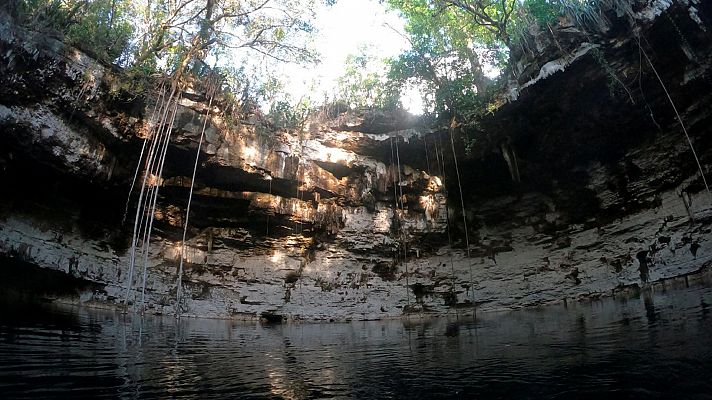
144, 196
152, 213
462, 203
179, 285
441, 166
679, 119
403, 234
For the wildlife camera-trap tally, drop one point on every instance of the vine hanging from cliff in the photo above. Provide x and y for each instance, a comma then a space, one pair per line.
211, 89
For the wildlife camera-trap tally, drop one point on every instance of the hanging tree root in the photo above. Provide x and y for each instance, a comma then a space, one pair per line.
210, 92
679, 118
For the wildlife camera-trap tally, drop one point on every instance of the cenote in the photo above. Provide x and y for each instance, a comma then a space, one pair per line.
366, 199
652, 345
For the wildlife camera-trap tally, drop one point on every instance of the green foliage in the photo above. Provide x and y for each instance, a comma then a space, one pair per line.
445, 86
201, 29
453, 44
182, 37
102, 28
41, 15
584, 13
284, 115
542, 11
454, 41
244, 40
490, 20
363, 83
359, 83
613, 83
132, 84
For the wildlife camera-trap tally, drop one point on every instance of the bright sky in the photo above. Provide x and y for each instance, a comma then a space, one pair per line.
342, 29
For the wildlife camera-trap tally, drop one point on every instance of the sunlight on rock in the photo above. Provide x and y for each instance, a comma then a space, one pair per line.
430, 205
382, 220
434, 184
277, 257
249, 154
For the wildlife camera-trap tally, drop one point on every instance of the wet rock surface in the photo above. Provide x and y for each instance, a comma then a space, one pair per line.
576, 188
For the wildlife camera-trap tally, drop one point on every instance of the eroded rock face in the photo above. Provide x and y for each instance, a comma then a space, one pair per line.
570, 191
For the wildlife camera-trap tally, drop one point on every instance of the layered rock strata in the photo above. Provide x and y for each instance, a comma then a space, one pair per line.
580, 183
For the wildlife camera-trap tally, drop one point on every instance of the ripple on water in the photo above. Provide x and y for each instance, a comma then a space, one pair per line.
657, 346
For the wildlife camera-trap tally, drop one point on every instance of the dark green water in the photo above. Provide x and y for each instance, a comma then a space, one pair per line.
656, 346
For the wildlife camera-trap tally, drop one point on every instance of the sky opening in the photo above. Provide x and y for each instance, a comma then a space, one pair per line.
343, 29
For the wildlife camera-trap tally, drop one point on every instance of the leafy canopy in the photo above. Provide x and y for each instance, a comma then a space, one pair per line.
102, 28
454, 43
237, 38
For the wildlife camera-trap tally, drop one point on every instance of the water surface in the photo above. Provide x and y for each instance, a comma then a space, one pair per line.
657, 345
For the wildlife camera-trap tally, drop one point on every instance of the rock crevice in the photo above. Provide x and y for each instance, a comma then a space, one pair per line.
582, 183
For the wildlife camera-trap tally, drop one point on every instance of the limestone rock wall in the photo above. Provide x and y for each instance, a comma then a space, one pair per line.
308, 224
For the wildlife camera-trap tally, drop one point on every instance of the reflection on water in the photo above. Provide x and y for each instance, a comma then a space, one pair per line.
655, 346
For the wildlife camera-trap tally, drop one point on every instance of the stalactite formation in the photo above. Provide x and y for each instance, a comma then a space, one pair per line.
575, 184
510, 157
